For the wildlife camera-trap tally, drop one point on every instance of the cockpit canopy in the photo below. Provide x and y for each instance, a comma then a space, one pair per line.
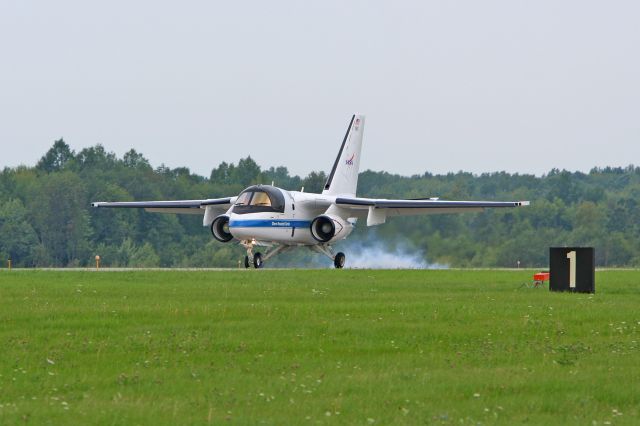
259, 199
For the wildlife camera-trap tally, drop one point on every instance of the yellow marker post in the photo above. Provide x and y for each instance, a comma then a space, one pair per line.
97, 262
9, 263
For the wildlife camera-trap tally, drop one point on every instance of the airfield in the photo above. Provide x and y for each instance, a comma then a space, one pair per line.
316, 347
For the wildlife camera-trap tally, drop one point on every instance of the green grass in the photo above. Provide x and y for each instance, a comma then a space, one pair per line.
308, 347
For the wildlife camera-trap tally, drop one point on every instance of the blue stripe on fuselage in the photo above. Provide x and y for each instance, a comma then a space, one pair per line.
269, 223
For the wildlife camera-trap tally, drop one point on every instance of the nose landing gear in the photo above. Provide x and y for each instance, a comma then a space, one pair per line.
257, 259
253, 259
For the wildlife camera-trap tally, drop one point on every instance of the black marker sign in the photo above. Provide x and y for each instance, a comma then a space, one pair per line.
572, 269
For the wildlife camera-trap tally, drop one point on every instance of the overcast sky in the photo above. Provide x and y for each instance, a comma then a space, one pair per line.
480, 86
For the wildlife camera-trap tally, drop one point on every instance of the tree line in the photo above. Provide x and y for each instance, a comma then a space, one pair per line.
46, 218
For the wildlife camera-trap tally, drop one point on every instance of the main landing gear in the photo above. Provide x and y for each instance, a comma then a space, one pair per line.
338, 258
257, 259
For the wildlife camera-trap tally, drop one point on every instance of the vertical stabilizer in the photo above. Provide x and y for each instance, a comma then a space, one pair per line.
343, 179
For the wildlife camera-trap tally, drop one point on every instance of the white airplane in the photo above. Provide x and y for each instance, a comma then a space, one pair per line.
264, 215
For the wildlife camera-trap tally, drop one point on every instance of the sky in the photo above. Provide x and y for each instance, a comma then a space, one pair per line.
517, 86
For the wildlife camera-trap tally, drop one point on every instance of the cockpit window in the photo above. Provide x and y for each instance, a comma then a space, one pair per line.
259, 198
244, 199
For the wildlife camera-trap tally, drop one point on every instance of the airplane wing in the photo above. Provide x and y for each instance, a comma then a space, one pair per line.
180, 206
377, 210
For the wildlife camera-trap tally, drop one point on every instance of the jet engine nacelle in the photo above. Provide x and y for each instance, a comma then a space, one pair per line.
220, 229
328, 228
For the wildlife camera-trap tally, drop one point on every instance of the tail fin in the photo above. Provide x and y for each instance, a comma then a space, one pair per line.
343, 179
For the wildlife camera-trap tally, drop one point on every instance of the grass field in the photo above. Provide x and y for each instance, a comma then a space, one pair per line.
316, 347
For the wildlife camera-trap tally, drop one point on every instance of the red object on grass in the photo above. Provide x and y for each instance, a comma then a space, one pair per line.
541, 276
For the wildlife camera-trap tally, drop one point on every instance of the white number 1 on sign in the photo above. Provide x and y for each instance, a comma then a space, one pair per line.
572, 268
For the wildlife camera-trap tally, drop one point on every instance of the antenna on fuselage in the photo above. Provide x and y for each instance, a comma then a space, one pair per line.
272, 183
302, 189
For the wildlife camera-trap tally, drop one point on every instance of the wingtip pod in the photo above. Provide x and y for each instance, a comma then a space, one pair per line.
523, 203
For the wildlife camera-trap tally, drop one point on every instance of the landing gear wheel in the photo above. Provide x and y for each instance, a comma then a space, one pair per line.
246, 262
257, 261
338, 261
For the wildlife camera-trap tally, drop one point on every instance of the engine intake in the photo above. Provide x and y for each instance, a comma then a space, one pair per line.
328, 228
220, 229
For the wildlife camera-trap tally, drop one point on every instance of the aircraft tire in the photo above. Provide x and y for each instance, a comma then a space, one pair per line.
339, 260
246, 262
257, 261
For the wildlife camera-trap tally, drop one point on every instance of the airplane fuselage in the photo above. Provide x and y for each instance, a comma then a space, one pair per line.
291, 226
